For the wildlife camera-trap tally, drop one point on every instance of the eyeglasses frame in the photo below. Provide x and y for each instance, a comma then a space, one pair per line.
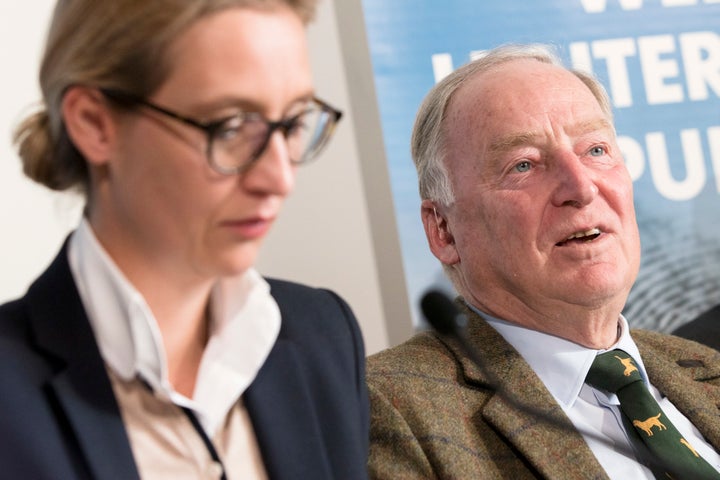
211, 128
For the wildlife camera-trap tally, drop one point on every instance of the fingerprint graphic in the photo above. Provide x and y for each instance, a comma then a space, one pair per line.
679, 277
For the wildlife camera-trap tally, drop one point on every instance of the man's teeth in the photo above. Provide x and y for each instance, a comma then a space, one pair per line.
589, 233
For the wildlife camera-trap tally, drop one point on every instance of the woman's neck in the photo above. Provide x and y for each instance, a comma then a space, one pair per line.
184, 322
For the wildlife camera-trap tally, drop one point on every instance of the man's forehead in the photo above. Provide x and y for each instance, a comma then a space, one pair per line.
521, 88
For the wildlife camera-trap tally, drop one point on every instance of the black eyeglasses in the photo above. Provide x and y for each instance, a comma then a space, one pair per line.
235, 143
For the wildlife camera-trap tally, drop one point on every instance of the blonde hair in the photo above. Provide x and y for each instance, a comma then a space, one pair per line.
428, 137
115, 44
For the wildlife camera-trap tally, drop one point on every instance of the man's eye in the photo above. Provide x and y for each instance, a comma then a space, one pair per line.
597, 151
523, 166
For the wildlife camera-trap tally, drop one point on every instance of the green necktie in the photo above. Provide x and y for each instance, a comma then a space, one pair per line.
669, 455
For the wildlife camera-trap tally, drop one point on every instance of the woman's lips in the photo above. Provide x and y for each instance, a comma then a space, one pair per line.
250, 228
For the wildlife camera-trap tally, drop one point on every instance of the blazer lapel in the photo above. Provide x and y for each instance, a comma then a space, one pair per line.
285, 422
80, 384
551, 443
697, 400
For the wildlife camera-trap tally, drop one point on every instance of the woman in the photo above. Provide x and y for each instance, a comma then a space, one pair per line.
150, 347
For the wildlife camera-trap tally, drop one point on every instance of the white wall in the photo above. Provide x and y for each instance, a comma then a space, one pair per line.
338, 229
33, 220
331, 232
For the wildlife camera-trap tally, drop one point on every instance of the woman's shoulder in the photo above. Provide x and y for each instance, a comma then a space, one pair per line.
298, 297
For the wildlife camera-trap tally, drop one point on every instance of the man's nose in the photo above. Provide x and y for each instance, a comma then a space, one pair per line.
576, 181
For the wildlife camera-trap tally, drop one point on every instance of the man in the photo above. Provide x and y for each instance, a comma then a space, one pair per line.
528, 205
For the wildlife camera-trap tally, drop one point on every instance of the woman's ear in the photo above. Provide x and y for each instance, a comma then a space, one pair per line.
89, 123
437, 231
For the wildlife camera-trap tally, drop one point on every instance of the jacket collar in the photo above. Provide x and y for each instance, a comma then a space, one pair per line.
669, 368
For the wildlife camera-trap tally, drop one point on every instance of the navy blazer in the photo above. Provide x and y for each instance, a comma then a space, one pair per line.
59, 418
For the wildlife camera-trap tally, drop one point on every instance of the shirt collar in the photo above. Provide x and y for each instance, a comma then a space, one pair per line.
246, 323
562, 365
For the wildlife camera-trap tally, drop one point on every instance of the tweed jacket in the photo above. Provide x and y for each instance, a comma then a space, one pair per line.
59, 418
435, 416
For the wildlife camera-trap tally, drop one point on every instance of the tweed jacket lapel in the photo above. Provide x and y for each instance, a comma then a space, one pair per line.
552, 445
79, 384
683, 380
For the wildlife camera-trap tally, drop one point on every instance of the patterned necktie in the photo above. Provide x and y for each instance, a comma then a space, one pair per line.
670, 456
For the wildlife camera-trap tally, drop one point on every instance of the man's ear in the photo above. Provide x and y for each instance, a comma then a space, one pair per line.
437, 231
89, 123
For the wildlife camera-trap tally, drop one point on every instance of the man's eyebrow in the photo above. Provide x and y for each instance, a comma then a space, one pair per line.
513, 140
591, 126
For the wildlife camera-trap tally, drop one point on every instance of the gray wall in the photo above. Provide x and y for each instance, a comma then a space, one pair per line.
337, 230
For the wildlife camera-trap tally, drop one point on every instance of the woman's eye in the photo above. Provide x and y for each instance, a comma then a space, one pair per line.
227, 133
230, 129
296, 127
523, 166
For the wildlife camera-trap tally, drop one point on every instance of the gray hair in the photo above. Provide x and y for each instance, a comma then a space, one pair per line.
428, 146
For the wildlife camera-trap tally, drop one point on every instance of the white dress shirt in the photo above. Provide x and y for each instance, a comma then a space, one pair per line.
563, 365
244, 327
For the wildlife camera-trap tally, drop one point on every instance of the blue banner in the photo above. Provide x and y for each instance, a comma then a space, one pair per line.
659, 61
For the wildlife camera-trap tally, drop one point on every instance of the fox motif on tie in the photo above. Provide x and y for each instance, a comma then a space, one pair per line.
668, 454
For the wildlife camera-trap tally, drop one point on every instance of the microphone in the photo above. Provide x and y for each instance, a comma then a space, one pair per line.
445, 318
442, 314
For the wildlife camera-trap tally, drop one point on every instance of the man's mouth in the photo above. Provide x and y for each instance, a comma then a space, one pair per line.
581, 237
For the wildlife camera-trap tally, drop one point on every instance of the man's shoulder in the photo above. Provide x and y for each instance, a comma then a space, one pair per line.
691, 355
417, 359
418, 347
671, 345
